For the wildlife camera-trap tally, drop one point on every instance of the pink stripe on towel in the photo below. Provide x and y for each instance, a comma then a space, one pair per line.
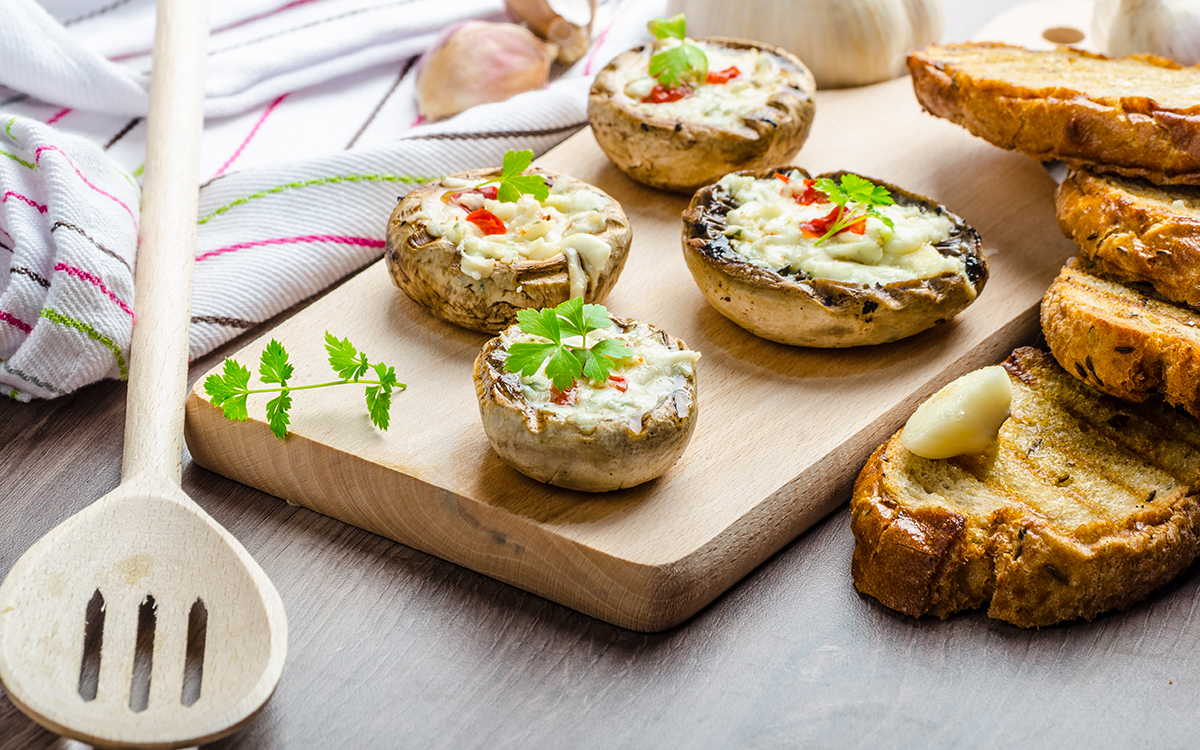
41, 209
253, 132
37, 156
61, 114
14, 321
81, 274
336, 239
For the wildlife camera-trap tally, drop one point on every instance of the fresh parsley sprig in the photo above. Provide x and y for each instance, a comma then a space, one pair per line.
679, 65
512, 184
230, 388
863, 194
564, 362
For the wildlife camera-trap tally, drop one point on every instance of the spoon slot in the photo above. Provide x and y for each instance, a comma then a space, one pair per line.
193, 667
93, 640
143, 655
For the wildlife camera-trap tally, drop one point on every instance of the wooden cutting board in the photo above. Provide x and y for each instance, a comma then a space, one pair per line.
782, 431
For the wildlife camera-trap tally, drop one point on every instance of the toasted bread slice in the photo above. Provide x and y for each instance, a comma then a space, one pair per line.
1121, 339
1135, 231
1084, 504
1137, 116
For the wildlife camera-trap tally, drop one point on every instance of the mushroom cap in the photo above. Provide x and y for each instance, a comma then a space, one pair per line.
550, 449
820, 312
681, 155
428, 269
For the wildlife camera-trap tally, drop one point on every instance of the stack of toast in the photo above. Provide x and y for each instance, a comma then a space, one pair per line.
1090, 497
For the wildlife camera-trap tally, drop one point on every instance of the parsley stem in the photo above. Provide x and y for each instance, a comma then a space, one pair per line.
398, 386
841, 224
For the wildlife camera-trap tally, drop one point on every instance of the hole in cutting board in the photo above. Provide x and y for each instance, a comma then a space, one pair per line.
1063, 35
193, 665
143, 656
93, 639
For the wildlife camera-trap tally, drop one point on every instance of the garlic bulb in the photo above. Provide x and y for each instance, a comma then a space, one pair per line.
843, 42
567, 23
479, 62
1168, 28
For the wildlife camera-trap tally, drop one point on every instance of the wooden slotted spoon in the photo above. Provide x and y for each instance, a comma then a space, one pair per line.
157, 561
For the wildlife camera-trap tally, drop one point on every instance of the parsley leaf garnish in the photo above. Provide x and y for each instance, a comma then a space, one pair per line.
230, 388
863, 194
681, 64
512, 184
669, 28
379, 397
345, 359
565, 362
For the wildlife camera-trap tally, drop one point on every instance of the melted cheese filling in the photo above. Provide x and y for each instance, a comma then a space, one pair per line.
652, 374
718, 104
566, 224
764, 229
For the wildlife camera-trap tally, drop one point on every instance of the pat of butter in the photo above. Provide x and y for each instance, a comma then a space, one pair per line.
964, 417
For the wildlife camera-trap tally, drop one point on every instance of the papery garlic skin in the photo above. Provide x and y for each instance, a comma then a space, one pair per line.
843, 42
1168, 28
566, 23
480, 62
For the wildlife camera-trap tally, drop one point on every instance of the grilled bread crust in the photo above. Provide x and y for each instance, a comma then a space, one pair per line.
1137, 116
1134, 231
1122, 340
1083, 505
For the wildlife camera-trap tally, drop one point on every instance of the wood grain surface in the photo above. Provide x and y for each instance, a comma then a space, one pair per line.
391, 647
782, 430
145, 553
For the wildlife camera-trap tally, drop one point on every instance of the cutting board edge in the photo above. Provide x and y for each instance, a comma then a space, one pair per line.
651, 596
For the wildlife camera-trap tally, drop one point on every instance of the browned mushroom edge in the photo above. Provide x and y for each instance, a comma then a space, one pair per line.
681, 155
923, 303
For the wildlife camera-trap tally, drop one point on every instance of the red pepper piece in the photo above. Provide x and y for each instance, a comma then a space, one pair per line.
619, 382
818, 227
724, 76
660, 95
487, 221
811, 195
858, 227
489, 192
564, 398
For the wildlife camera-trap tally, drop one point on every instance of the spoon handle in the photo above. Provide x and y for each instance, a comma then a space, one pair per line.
166, 251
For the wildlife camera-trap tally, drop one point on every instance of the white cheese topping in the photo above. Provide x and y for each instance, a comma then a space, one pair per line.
717, 104
765, 229
566, 224
650, 376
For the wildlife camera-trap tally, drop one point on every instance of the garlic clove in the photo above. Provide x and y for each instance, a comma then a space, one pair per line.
479, 62
566, 23
1167, 28
963, 417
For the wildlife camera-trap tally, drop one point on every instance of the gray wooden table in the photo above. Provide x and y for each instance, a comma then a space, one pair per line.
393, 648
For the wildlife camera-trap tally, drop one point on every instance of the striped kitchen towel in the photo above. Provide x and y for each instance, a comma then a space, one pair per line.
312, 134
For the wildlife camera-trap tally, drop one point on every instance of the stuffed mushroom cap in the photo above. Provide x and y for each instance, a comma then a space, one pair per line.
593, 437
751, 244
759, 117
475, 261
